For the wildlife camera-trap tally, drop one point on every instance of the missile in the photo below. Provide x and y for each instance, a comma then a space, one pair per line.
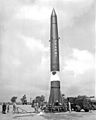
54, 44
55, 94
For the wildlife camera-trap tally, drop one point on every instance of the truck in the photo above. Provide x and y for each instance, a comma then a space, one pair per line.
80, 103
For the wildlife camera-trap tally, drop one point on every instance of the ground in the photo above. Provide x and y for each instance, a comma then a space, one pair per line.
47, 116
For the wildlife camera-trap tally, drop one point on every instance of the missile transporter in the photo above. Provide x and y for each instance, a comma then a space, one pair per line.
81, 103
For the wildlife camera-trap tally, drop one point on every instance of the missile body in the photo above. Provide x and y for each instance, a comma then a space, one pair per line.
54, 43
55, 94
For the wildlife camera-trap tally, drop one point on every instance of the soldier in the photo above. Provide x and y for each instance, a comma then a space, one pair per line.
4, 108
69, 106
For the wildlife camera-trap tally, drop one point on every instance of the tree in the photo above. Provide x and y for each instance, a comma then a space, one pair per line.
13, 99
42, 98
24, 100
39, 99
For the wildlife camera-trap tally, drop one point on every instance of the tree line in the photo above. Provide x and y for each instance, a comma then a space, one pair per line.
24, 101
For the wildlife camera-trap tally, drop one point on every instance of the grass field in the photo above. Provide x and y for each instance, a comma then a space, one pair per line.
46, 116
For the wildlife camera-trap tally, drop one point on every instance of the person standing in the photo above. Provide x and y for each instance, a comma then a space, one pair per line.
14, 107
36, 107
4, 108
8, 108
69, 106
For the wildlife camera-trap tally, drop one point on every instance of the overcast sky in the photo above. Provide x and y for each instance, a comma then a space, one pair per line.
25, 53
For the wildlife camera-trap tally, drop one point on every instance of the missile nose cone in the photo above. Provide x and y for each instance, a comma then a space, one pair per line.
53, 12
53, 17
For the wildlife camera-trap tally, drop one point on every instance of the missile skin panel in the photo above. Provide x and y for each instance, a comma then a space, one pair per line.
54, 43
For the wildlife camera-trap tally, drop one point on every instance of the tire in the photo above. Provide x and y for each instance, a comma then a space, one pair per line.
86, 110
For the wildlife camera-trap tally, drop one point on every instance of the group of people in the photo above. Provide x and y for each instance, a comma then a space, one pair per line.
39, 108
6, 108
36, 107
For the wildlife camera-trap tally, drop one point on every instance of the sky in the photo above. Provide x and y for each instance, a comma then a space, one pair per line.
25, 53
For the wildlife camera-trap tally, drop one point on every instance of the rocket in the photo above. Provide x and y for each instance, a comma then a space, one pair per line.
55, 94
54, 44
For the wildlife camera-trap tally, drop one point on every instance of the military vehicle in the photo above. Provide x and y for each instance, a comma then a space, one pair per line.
80, 103
93, 103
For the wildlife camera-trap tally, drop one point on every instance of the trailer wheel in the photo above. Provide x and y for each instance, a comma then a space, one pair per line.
86, 110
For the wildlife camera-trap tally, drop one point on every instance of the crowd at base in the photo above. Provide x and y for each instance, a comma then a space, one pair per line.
58, 108
52, 108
